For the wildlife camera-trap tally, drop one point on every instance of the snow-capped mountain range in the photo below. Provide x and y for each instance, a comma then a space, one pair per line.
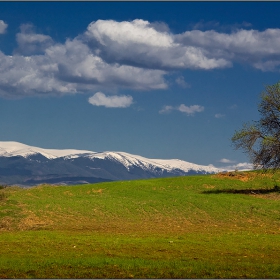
27, 165
11, 148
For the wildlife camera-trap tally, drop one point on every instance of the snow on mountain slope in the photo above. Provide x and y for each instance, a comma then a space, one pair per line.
71, 166
11, 148
129, 160
184, 165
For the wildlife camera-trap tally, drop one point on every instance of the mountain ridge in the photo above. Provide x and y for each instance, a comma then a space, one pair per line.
29, 165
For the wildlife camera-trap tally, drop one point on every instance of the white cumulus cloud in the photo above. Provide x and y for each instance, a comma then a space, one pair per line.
100, 99
258, 48
181, 82
166, 109
3, 27
224, 160
190, 110
70, 68
31, 43
218, 116
140, 43
135, 32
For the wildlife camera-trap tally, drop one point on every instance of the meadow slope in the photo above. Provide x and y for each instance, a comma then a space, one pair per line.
210, 226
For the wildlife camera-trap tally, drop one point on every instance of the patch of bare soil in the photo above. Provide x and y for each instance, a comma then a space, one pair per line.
242, 176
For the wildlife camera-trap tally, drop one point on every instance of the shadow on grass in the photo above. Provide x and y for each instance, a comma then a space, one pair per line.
244, 191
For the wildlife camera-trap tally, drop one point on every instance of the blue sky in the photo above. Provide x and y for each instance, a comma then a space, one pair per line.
157, 79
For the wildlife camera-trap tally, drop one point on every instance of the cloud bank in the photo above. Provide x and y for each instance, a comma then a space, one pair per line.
137, 55
239, 166
260, 49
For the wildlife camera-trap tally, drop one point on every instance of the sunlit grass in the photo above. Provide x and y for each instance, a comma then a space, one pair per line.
183, 227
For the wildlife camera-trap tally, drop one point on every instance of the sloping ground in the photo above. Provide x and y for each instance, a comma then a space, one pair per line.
246, 176
181, 204
184, 227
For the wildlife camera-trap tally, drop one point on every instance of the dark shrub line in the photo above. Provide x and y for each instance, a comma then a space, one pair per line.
244, 191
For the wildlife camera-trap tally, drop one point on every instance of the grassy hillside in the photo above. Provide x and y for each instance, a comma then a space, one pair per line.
214, 226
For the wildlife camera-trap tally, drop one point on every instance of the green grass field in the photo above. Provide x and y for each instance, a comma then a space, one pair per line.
212, 226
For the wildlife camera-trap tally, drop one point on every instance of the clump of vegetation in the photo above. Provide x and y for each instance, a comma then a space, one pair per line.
261, 139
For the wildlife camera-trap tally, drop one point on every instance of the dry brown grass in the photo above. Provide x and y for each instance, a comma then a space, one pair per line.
242, 176
272, 196
6, 224
208, 186
32, 221
98, 191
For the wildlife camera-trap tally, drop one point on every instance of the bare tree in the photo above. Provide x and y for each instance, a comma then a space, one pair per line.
261, 139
